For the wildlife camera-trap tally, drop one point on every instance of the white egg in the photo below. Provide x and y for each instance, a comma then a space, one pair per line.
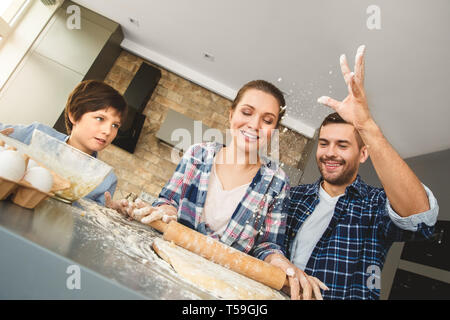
40, 178
12, 165
32, 164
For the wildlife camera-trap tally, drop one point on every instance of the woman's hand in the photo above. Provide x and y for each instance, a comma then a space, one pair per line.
301, 285
164, 212
141, 211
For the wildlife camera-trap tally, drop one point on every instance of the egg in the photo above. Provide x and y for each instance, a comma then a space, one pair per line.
12, 165
32, 164
40, 178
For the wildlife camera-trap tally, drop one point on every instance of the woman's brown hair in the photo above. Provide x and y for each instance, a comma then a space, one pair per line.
266, 87
90, 96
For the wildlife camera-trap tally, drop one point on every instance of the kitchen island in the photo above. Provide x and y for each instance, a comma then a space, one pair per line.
82, 251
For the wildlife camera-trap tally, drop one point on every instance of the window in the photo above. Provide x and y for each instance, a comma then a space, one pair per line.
10, 12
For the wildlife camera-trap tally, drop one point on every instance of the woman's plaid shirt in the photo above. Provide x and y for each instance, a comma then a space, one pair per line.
257, 226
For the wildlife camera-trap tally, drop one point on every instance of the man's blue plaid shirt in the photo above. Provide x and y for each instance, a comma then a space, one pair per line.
355, 243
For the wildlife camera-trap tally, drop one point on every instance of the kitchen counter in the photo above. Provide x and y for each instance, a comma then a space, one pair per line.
83, 251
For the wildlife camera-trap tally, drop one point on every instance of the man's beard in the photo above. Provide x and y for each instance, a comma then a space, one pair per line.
344, 178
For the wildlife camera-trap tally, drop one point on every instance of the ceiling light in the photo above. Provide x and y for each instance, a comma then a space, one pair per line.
208, 56
134, 21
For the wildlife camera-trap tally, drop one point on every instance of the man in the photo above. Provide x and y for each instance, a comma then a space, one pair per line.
340, 229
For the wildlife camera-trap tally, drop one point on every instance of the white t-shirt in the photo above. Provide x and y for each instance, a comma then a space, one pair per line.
220, 204
313, 228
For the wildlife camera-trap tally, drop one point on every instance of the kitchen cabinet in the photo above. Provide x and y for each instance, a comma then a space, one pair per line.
76, 49
412, 286
38, 92
424, 269
433, 252
58, 60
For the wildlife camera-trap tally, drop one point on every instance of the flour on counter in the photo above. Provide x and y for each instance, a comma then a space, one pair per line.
135, 240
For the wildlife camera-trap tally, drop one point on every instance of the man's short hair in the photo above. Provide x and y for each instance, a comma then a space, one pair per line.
90, 96
336, 118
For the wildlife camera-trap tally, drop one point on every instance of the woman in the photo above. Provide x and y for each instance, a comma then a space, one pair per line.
233, 194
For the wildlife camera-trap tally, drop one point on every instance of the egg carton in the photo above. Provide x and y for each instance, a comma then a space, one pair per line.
26, 195
23, 193
84, 172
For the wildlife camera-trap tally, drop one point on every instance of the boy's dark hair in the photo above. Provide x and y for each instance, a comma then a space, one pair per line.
90, 96
336, 118
266, 87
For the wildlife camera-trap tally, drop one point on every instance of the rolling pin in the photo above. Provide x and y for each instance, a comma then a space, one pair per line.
221, 254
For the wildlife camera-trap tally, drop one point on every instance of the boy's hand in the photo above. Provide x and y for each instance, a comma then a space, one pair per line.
7, 131
120, 206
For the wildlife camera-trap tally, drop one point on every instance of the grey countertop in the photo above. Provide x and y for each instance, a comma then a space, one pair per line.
114, 255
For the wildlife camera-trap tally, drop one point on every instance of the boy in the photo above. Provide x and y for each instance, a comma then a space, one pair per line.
93, 115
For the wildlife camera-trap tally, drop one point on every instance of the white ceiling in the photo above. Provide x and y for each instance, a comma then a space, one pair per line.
296, 45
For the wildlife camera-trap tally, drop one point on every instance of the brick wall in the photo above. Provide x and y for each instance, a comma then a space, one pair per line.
149, 168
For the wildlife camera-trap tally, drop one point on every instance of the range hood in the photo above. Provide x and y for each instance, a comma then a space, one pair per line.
137, 95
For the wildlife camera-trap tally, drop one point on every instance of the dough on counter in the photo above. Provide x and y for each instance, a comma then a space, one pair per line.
222, 282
